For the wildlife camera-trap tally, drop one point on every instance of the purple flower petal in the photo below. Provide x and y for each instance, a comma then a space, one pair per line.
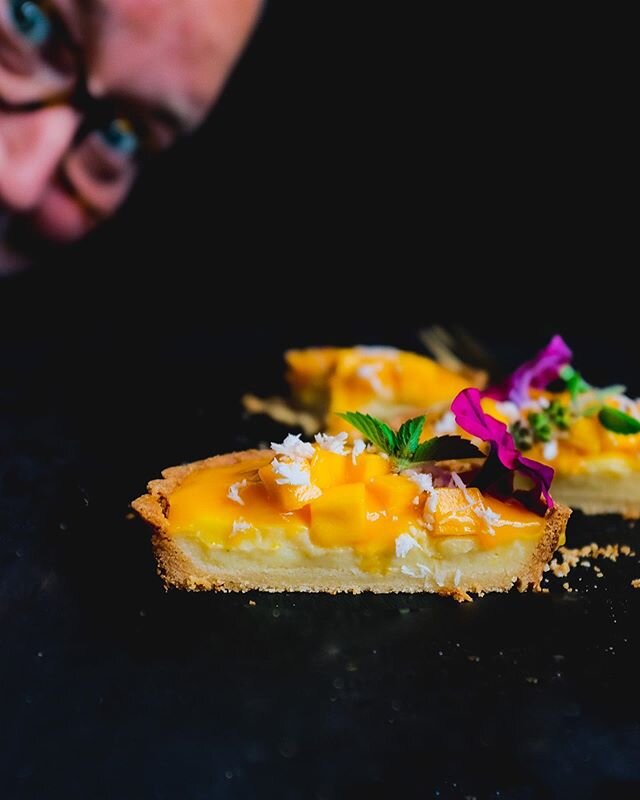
505, 457
471, 418
540, 474
538, 373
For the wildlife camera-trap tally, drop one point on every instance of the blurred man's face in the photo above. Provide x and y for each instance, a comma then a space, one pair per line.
91, 88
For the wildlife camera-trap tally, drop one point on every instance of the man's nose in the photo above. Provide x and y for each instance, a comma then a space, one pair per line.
32, 145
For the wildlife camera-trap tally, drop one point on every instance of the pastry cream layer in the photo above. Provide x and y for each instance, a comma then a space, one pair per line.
355, 508
380, 381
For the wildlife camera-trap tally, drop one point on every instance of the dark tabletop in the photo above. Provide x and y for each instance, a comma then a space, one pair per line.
112, 688
339, 145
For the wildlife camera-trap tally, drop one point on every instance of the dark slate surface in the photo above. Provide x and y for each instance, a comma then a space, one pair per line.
111, 688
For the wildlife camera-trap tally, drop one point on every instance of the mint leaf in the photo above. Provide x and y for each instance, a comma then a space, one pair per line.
404, 446
446, 448
574, 381
375, 430
408, 437
618, 421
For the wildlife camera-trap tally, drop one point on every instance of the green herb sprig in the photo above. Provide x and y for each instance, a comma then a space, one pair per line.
612, 419
574, 382
540, 424
404, 446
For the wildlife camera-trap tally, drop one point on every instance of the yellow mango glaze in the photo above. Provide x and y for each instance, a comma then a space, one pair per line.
377, 380
587, 447
356, 503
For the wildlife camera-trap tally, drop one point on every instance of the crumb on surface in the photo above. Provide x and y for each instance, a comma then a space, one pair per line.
636, 583
583, 556
560, 569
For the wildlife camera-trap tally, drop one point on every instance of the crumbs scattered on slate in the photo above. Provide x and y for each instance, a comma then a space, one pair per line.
583, 557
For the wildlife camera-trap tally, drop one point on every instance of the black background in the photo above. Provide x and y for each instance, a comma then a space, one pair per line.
473, 167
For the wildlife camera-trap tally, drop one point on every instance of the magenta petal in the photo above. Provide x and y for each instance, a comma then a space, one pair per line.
467, 409
541, 474
471, 418
538, 373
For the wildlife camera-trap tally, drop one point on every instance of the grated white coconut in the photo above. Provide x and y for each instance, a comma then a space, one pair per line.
234, 491
334, 444
293, 447
550, 450
292, 473
446, 424
358, 448
404, 543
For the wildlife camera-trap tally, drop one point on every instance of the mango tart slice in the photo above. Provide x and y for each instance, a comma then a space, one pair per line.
338, 515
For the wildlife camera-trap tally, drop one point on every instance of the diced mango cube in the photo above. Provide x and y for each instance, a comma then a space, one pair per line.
288, 497
338, 516
328, 469
452, 516
465, 513
367, 466
392, 493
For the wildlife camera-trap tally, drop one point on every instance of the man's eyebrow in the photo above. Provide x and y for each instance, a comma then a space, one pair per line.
173, 118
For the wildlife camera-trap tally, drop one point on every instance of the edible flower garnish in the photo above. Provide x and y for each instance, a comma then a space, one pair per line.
404, 446
538, 373
504, 461
550, 364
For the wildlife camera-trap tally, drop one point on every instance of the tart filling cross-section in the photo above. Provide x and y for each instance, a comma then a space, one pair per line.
389, 514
